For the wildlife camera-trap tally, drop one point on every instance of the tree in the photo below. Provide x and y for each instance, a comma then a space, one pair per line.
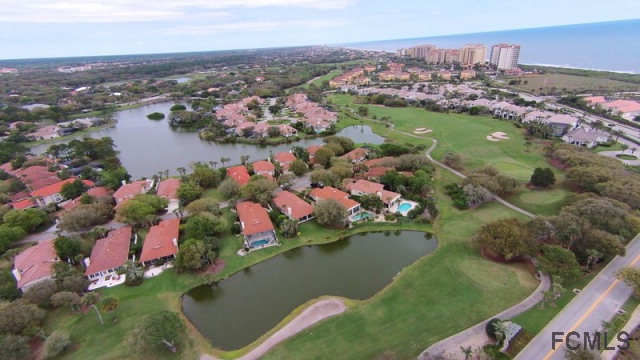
113, 178
289, 228
203, 205
109, 303
188, 192
205, 176
20, 318
66, 298
558, 261
326, 177
346, 144
67, 248
476, 195
258, 189
631, 277
506, 238
229, 188
14, 347
28, 220
9, 235
298, 167
156, 332
542, 177
73, 189
204, 225
244, 159
8, 289
40, 293
56, 343
323, 156
330, 212
527, 145
142, 209
192, 255
87, 215
371, 202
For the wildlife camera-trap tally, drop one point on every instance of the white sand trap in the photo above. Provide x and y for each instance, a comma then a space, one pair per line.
491, 138
420, 131
500, 135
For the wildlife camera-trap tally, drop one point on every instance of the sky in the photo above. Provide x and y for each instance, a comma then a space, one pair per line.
60, 28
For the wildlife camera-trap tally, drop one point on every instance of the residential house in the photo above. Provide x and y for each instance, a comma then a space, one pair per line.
328, 192
109, 254
562, 123
312, 152
51, 194
586, 137
94, 192
257, 229
293, 207
536, 116
287, 131
365, 187
386, 161
161, 243
239, 174
263, 167
23, 204
168, 189
356, 155
34, 264
508, 111
128, 191
285, 159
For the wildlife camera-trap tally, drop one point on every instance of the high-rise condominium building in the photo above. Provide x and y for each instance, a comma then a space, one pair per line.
505, 56
472, 54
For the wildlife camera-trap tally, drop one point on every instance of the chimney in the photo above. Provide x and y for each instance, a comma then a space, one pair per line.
175, 242
123, 182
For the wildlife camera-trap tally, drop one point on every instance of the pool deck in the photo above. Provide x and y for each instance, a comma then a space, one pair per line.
395, 208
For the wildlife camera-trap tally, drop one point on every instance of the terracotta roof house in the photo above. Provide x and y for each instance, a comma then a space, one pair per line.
386, 161
365, 187
312, 152
23, 204
109, 254
356, 155
342, 197
239, 174
287, 131
51, 194
36, 176
285, 159
256, 225
161, 243
95, 192
34, 264
168, 188
263, 167
293, 207
128, 191
377, 172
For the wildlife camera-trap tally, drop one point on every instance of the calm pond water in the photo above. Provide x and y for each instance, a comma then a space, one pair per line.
238, 310
147, 147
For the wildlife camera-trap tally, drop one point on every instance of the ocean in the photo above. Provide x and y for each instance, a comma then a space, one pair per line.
611, 46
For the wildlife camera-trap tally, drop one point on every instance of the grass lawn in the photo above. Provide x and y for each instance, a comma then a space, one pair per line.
541, 202
439, 295
326, 77
569, 82
213, 193
615, 147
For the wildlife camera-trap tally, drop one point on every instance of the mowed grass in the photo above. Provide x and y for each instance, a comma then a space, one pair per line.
467, 136
568, 82
439, 295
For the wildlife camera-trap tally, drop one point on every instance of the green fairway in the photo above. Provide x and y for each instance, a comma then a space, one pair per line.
541, 202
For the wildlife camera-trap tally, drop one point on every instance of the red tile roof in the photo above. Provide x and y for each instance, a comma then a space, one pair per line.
168, 188
380, 162
161, 241
110, 252
263, 166
313, 148
356, 154
34, 263
97, 192
57, 187
388, 196
292, 206
284, 157
239, 174
365, 186
378, 171
132, 189
331, 193
253, 218
23, 204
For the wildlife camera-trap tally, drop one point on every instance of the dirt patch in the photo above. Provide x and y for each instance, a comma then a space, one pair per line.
214, 268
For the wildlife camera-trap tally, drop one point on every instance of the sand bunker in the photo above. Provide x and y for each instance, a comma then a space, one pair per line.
491, 138
500, 135
421, 131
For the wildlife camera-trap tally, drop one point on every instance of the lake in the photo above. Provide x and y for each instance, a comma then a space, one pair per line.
240, 309
147, 147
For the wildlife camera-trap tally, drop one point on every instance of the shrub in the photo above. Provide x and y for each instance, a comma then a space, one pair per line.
155, 116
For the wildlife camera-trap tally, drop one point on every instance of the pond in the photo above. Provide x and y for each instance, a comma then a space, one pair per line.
240, 309
147, 147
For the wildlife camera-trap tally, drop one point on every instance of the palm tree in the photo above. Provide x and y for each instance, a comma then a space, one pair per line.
181, 170
215, 164
624, 147
500, 331
244, 159
527, 144
109, 303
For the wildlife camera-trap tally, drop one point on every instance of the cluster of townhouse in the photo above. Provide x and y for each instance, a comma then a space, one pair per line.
111, 253
354, 76
311, 113
627, 109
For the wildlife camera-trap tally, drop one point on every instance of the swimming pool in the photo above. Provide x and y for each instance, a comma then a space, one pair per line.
259, 243
362, 216
405, 206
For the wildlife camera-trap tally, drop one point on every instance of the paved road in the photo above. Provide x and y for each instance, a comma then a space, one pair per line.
597, 302
613, 154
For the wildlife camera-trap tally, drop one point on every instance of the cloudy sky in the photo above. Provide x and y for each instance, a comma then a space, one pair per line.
54, 28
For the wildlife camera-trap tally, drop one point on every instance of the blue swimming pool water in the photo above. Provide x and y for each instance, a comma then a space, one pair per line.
362, 216
259, 243
405, 206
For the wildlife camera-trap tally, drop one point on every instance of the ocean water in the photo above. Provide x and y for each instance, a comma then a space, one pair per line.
612, 46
